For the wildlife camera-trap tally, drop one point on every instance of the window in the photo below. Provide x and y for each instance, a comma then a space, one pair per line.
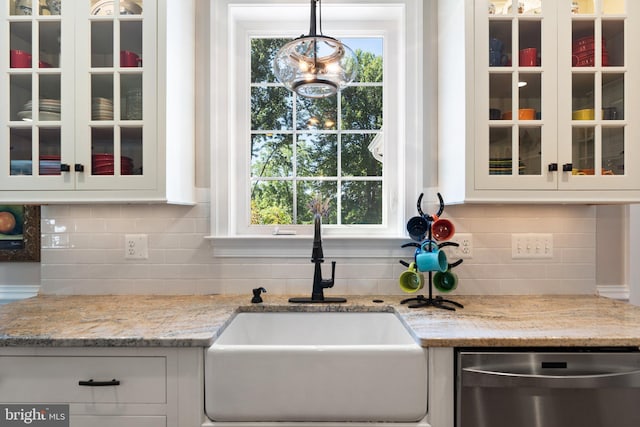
328, 149
272, 152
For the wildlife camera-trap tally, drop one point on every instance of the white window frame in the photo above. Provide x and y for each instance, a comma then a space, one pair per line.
233, 23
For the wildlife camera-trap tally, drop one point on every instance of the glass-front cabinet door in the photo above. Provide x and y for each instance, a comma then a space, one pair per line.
36, 109
115, 146
553, 95
516, 93
597, 109
78, 94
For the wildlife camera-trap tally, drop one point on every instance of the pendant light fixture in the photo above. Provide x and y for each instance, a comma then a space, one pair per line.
315, 65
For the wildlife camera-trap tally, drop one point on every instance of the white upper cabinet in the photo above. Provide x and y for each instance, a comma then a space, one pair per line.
100, 101
536, 101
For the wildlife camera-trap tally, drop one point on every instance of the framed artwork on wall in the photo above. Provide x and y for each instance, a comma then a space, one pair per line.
19, 233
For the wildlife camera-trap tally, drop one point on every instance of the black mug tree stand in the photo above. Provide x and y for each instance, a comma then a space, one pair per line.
430, 300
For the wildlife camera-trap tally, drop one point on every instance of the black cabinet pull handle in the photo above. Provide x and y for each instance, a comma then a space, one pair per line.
92, 383
567, 167
553, 167
64, 167
78, 167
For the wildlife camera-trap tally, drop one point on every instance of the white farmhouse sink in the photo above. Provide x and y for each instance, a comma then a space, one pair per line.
318, 366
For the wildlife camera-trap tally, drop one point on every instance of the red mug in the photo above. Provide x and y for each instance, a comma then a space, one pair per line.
129, 59
20, 59
528, 57
442, 229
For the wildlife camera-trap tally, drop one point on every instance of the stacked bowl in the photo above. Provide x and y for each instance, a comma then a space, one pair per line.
103, 164
584, 52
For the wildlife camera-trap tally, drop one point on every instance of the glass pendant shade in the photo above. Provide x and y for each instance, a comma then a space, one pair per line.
315, 66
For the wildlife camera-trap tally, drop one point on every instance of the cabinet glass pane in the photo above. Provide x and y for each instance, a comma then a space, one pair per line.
529, 43
500, 98
49, 45
102, 97
20, 95
583, 96
613, 7
500, 43
20, 7
505, 7
583, 151
50, 7
50, 107
500, 151
583, 52
131, 97
50, 144
613, 43
20, 45
130, 7
530, 151
102, 144
131, 148
582, 7
20, 151
530, 92
612, 96
101, 44
613, 151
105, 7
131, 44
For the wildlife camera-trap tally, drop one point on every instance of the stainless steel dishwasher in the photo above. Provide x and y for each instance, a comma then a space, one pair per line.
548, 388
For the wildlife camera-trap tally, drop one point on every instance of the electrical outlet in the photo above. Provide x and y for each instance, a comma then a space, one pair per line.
531, 245
465, 250
136, 246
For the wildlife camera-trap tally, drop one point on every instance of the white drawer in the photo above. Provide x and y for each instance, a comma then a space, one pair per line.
56, 379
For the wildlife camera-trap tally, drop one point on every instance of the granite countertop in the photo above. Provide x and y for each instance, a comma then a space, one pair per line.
195, 321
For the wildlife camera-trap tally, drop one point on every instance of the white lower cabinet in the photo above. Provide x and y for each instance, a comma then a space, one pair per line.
104, 387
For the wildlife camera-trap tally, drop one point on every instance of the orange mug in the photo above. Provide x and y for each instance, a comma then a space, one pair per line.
442, 229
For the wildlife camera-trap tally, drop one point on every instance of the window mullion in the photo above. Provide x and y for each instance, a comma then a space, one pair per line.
294, 158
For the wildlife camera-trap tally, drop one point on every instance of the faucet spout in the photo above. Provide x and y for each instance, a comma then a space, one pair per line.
317, 257
317, 254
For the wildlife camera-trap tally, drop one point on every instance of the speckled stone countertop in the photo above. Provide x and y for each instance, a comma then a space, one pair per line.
195, 321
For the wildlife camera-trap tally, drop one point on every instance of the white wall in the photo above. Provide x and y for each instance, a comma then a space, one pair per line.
634, 254
83, 253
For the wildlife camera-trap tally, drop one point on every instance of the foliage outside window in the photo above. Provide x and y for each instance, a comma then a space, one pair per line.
308, 149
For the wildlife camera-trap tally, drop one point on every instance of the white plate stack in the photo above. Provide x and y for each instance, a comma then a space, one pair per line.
49, 110
101, 109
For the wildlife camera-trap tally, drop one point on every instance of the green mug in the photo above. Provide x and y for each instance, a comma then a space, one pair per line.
411, 280
445, 281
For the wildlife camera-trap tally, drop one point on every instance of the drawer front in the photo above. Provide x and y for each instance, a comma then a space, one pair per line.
56, 379
116, 421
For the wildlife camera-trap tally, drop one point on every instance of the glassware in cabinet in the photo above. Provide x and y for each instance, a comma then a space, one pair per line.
515, 89
598, 74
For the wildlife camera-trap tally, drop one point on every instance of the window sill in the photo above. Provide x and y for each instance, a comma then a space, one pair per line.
295, 246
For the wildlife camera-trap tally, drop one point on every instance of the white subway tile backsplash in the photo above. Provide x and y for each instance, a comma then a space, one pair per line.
83, 252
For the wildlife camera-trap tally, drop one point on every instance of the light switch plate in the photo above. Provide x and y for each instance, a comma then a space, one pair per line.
531, 245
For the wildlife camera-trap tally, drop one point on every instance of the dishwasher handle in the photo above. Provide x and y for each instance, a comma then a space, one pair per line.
476, 377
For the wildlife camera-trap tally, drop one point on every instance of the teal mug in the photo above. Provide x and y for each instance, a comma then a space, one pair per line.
430, 258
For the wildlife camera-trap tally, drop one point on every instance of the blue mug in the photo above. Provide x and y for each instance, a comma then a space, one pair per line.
430, 258
496, 55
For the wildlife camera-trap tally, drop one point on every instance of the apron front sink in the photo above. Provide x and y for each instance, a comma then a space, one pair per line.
319, 366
